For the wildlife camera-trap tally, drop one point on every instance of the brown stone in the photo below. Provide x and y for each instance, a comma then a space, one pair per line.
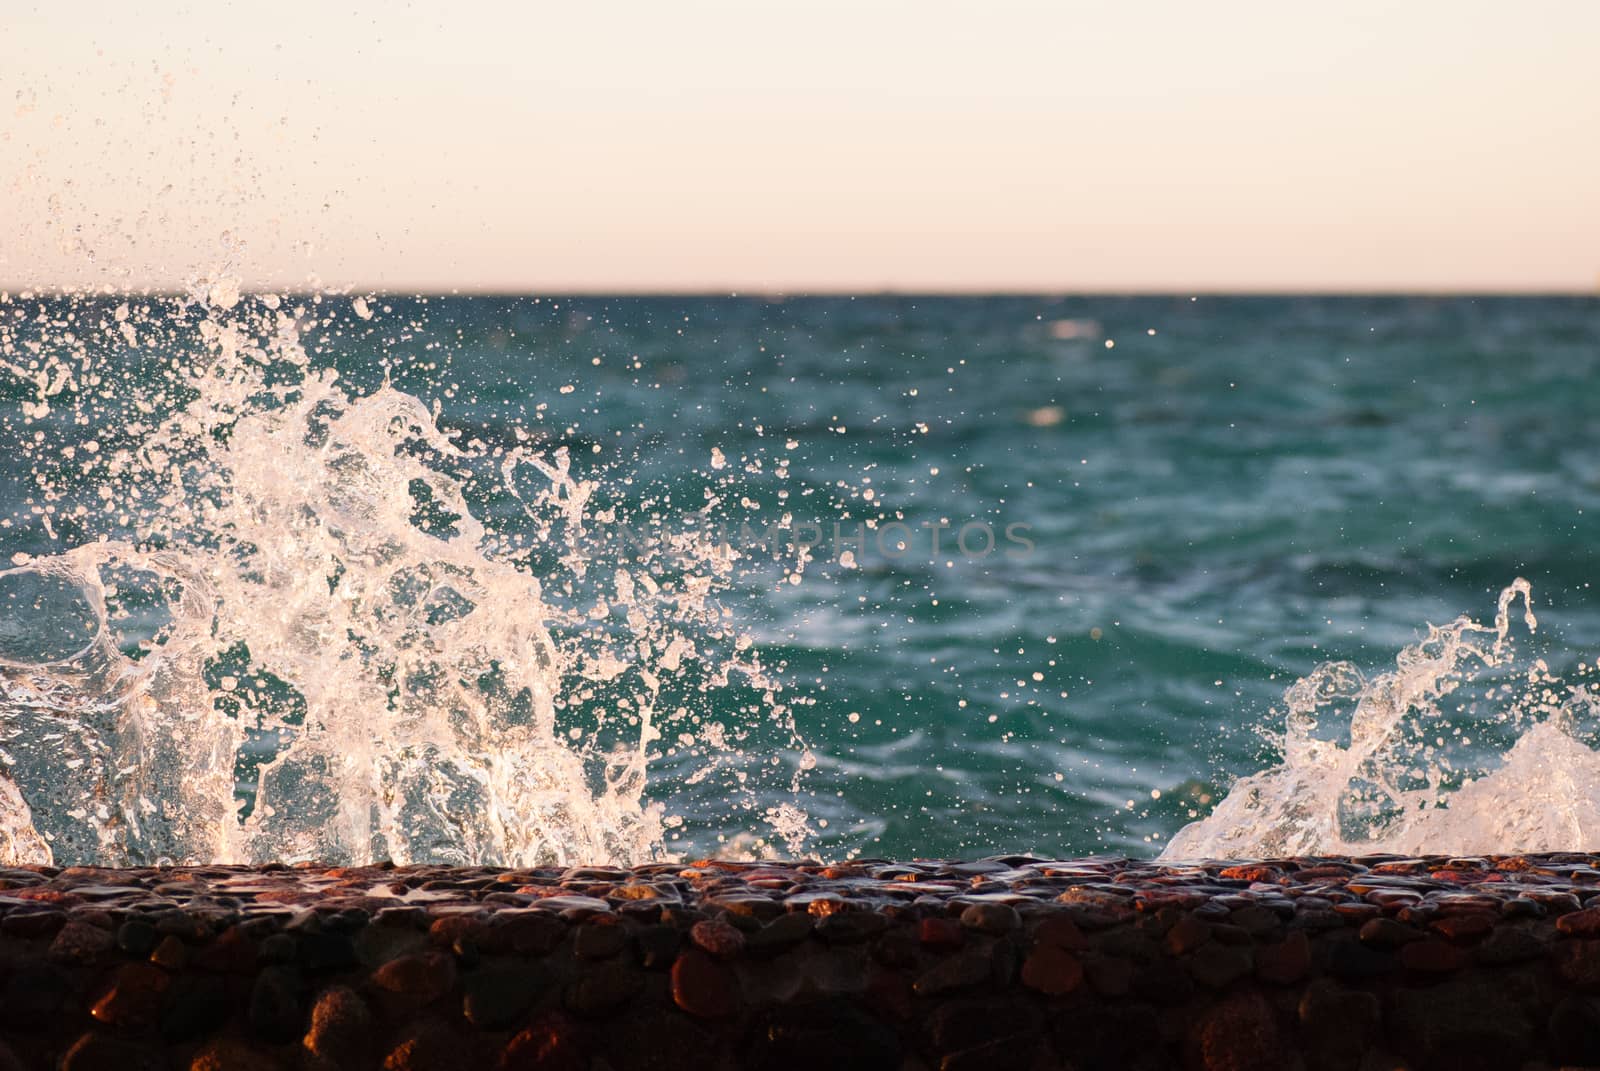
1285, 962
704, 987
134, 998
598, 940
429, 1046
1585, 923
551, 1043
1053, 970
170, 953
1387, 933
453, 931
1239, 1034
1217, 966
991, 918
425, 978
1578, 962
81, 942
1331, 1013
341, 1027
602, 988
1468, 927
97, 1052
960, 970
719, 938
1186, 935
30, 922
1508, 944
1060, 931
1109, 976
228, 1055
1470, 1021
233, 952
1433, 957
940, 932
526, 933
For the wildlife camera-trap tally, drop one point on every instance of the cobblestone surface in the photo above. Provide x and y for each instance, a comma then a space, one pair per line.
1014, 962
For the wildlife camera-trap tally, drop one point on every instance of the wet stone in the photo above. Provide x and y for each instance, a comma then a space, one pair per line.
1339, 1025
317, 952
782, 932
718, 938
81, 943
656, 947
1387, 933
850, 927
195, 1007
824, 1034
31, 995
701, 986
1465, 928
1574, 1031
1217, 966
429, 1046
275, 1010
598, 940
530, 933
100, 1052
134, 997
233, 1055
32, 923
1463, 1023
1508, 945
942, 932
170, 953
1352, 960
1584, 923
136, 937
1433, 957
425, 978
1110, 977
1578, 962
603, 988
341, 1028
1052, 970
991, 918
551, 1043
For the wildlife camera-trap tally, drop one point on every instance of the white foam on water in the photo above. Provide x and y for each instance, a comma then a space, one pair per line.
282, 586
1459, 749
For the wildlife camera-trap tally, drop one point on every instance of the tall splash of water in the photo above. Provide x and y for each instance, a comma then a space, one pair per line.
283, 633
1443, 754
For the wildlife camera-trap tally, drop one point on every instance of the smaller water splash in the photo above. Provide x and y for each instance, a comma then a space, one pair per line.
1456, 750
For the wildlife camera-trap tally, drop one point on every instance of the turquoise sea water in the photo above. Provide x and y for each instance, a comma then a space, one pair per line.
1205, 498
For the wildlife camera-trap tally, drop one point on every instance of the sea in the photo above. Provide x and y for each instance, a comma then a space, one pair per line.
963, 576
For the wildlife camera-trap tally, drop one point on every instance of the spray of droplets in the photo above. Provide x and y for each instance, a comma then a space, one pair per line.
1462, 747
261, 614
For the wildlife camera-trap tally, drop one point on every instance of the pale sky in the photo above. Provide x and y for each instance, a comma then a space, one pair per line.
756, 146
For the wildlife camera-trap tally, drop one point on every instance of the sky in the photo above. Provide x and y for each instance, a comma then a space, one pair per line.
700, 145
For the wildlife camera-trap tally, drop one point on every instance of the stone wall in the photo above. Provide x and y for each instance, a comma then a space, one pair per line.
1371, 963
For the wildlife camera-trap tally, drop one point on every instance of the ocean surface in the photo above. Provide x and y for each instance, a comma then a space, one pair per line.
1154, 515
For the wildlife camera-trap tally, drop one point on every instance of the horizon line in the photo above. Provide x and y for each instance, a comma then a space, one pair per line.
801, 293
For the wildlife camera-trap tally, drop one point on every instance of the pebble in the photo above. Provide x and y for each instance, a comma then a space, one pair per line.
426, 977
134, 996
81, 942
702, 986
1053, 970
341, 1029
918, 964
717, 937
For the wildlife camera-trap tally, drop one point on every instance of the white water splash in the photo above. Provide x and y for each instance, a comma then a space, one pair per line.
1442, 754
285, 634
